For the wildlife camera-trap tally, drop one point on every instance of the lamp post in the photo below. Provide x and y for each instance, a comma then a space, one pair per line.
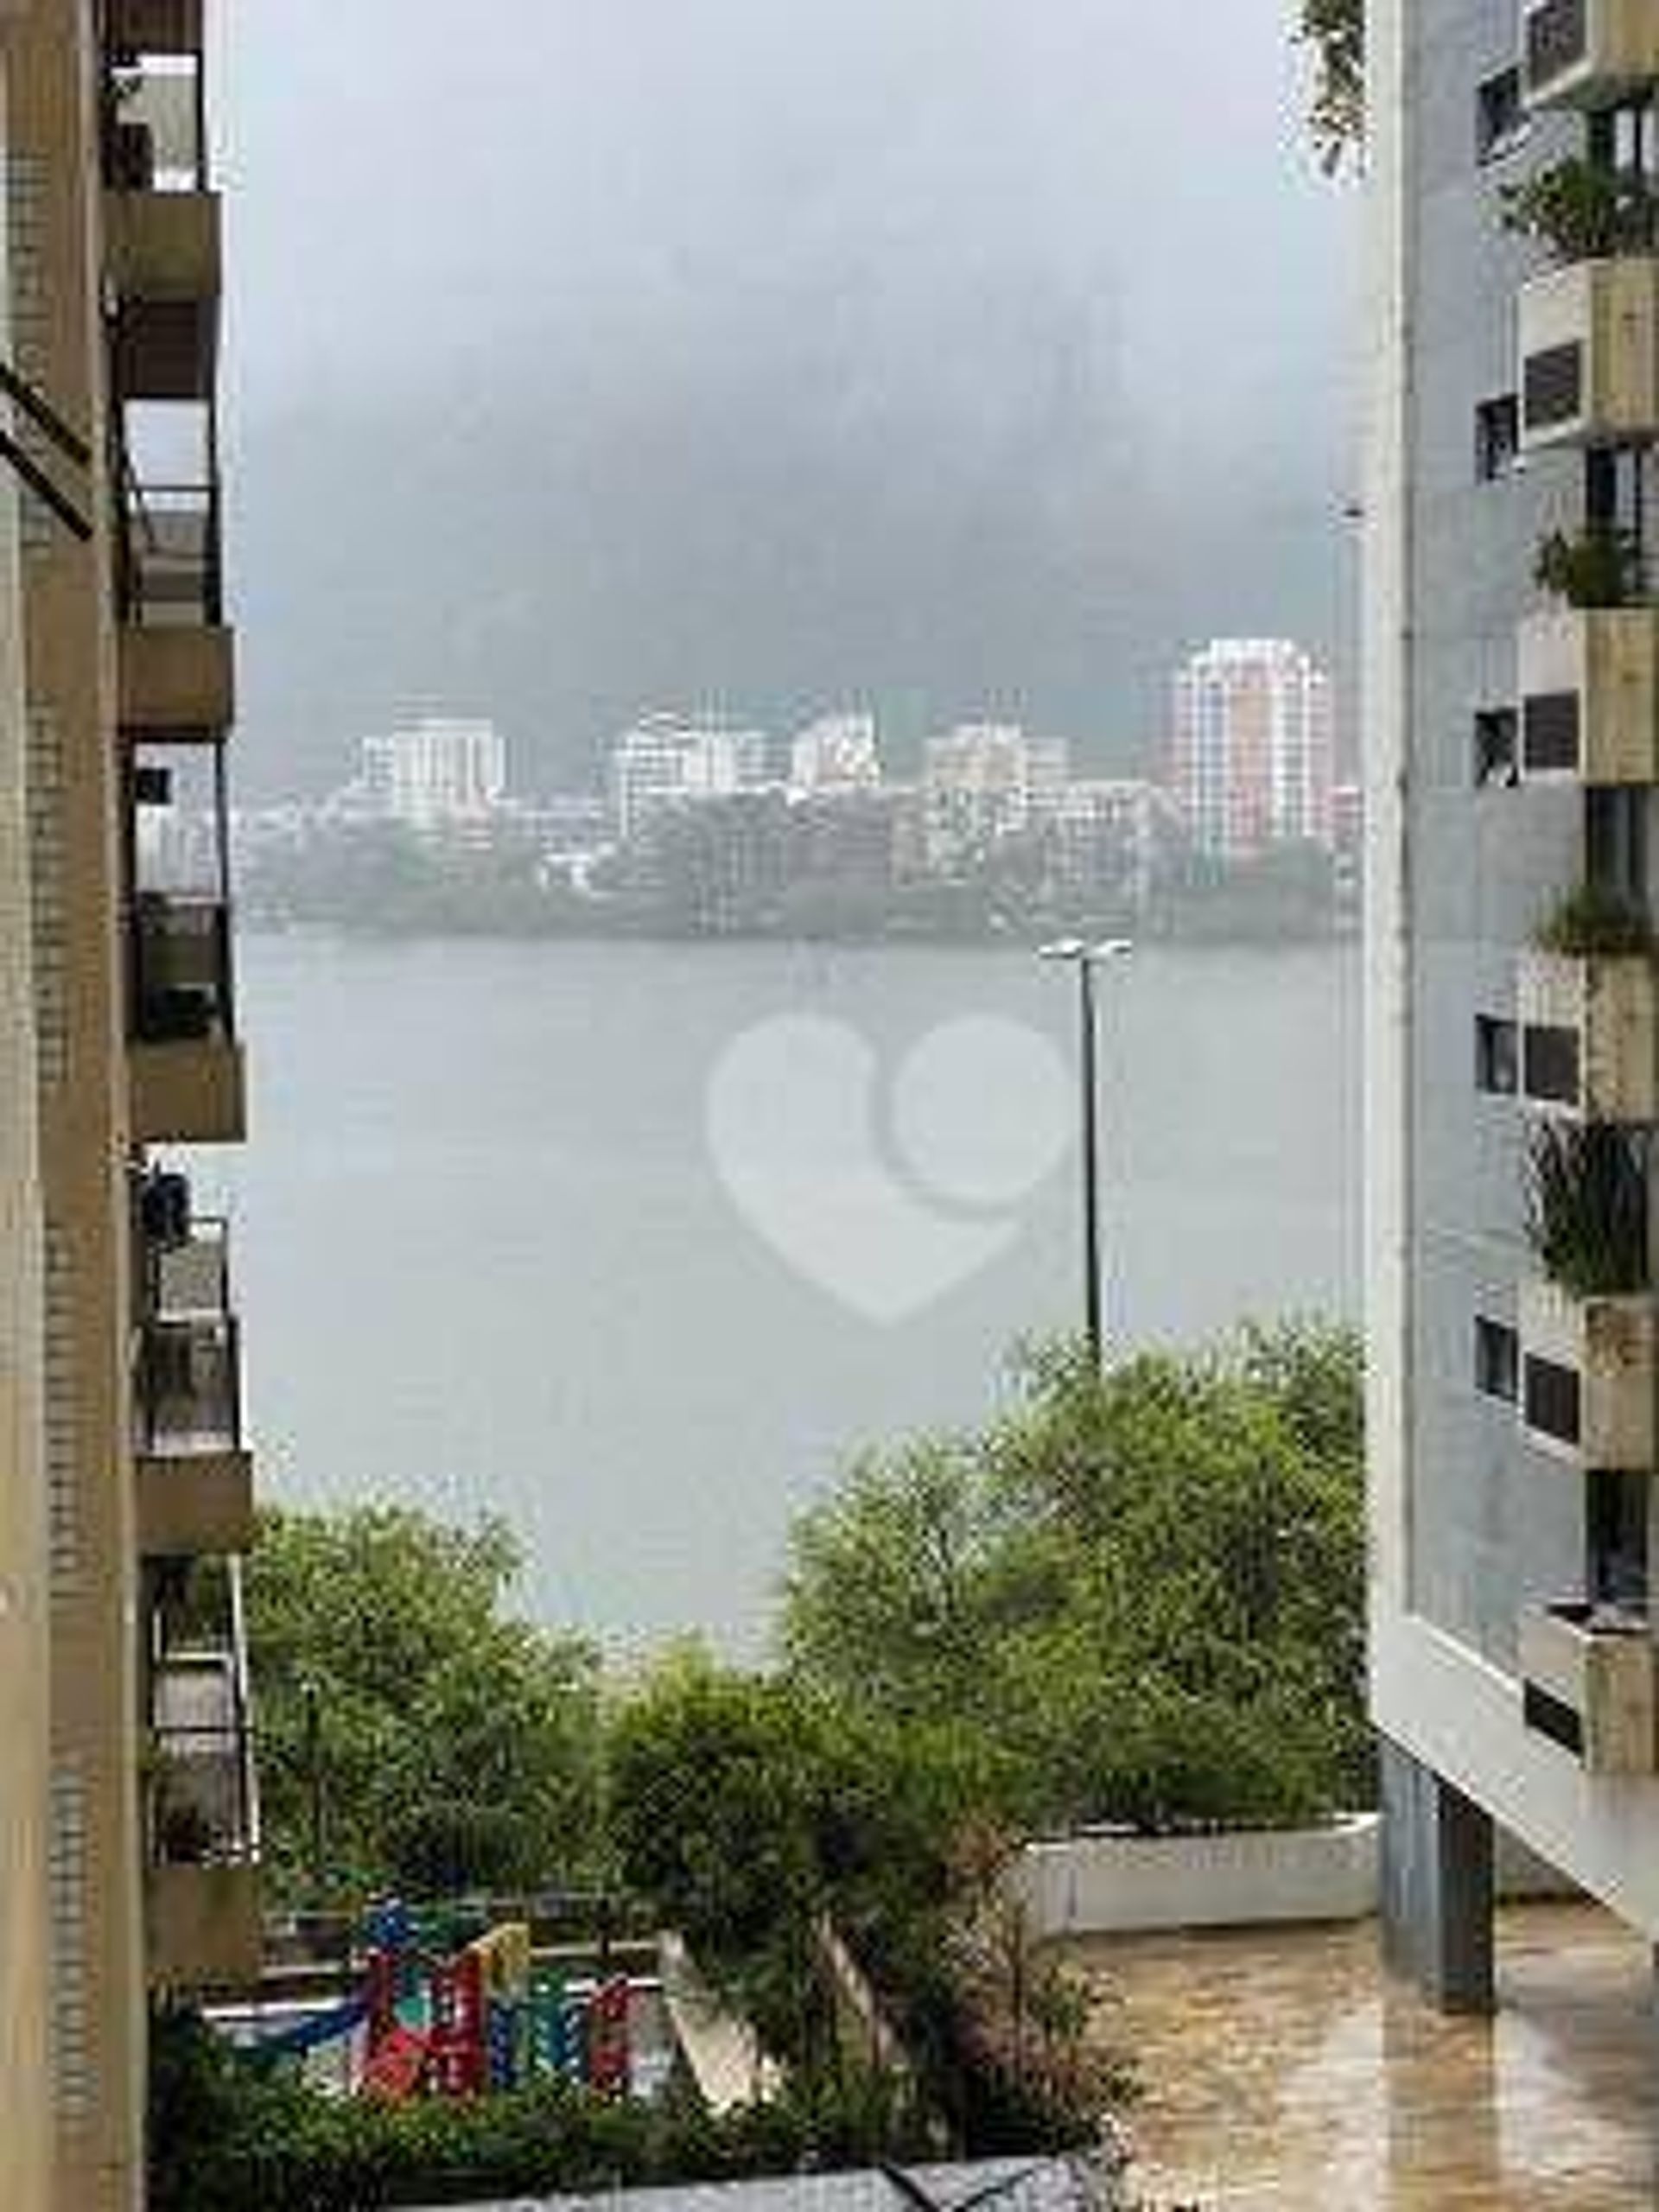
1085, 959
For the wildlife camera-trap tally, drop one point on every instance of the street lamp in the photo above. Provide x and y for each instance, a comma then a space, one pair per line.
1085, 959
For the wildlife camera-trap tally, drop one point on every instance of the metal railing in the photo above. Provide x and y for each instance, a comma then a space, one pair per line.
204, 1793
182, 989
171, 559
155, 137
188, 1379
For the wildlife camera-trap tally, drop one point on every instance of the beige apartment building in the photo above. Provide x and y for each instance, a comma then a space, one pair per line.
129, 1828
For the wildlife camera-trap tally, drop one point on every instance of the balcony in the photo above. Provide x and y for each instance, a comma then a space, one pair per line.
204, 1822
1589, 692
1589, 1370
177, 662
162, 223
1588, 53
185, 1064
165, 272
195, 1478
1590, 1035
134, 28
1589, 346
1588, 1684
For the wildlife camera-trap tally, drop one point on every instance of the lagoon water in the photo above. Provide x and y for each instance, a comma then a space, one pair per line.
611, 1241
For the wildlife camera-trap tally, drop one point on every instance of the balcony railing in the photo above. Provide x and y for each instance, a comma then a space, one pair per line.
155, 135
181, 959
204, 1802
171, 562
188, 1397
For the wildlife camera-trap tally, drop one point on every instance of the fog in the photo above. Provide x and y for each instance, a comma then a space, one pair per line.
588, 356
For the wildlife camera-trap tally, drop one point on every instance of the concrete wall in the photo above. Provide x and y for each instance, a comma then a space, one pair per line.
24, 1899
1122, 1884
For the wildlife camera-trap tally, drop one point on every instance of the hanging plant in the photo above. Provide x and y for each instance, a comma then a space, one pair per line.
1584, 211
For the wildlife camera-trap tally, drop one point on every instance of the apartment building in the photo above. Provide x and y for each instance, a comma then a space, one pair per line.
1253, 751
438, 773
128, 1820
1512, 753
667, 759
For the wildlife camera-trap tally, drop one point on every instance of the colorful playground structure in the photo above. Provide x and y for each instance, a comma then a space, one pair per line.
435, 2015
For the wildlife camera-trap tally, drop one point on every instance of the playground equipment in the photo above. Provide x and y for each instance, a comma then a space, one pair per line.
440, 2016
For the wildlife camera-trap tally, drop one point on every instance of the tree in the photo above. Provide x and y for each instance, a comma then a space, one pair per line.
1137, 1597
445, 1745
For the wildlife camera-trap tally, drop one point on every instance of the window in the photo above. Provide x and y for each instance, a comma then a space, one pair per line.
1551, 1401
1501, 121
1547, 1716
1497, 438
1552, 385
1616, 840
1495, 1068
1549, 732
1497, 732
1498, 1361
1550, 1065
1616, 1531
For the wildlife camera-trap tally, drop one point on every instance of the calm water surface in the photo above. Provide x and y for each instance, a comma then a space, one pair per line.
486, 1259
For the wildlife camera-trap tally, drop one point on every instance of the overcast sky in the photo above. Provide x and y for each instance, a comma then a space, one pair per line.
948, 356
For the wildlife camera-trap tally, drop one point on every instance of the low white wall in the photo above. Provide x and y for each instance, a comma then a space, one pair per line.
1112, 1883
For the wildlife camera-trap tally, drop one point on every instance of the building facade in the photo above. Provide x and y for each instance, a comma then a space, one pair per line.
986, 782
1253, 752
1512, 753
128, 1823
439, 774
669, 758
837, 754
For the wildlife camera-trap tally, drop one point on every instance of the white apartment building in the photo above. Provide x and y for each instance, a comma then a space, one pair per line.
1253, 751
1511, 762
839, 752
667, 759
984, 781
435, 773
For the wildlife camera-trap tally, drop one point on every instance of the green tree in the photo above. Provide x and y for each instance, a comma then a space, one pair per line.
447, 1744
1138, 1597
1335, 31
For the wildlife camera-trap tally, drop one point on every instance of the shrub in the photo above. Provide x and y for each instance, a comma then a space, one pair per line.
1587, 1206
1591, 919
1584, 211
225, 2138
1601, 567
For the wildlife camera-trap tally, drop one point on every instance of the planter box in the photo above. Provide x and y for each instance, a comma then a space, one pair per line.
1589, 348
1589, 693
1600, 1680
1607, 1345
1588, 53
1608, 1005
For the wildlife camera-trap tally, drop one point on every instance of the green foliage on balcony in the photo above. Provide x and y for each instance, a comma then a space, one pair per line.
1593, 921
1601, 566
1335, 30
1587, 1206
1584, 211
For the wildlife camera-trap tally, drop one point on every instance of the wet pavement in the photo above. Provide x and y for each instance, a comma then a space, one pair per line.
1286, 2069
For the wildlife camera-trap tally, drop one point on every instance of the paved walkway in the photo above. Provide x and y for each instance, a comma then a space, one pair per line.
1285, 2070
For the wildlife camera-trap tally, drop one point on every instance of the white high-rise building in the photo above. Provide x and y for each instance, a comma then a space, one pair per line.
985, 781
667, 759
836, 754
1253, 756
436, 772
